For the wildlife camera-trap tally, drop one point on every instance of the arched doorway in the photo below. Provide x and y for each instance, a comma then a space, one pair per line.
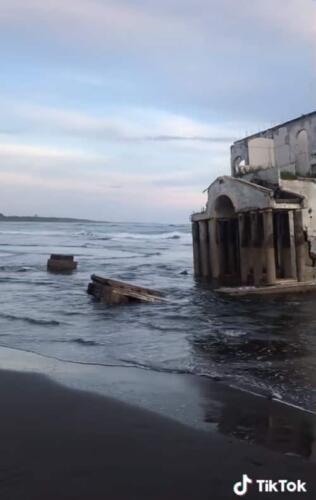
228, 239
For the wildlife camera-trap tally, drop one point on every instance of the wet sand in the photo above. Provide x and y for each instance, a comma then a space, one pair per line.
59, 443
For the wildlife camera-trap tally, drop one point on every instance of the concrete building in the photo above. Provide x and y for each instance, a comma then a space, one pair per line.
259, 224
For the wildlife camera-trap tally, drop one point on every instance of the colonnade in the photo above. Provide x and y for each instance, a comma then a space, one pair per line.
270, 245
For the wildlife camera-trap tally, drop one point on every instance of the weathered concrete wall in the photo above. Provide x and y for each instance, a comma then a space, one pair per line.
306, 188
243, 195
261, 152
270, 175
294, 147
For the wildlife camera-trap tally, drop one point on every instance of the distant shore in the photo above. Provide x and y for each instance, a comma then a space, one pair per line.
36, 218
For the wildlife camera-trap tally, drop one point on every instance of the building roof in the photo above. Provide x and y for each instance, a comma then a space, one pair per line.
276, 127
251, 185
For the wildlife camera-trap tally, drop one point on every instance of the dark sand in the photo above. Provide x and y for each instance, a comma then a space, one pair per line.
58, 444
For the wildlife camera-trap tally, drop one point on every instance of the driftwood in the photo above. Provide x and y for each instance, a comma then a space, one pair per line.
118, 292
58, 263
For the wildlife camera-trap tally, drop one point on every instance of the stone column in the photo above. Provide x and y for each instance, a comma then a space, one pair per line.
204, 248
243, 249
196, 249
214, 249
268, 245
231, 237
292, 244
299, 244
287, 247
255, 250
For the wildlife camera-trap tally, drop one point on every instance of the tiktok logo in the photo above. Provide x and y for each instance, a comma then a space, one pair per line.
241, 487
269, 486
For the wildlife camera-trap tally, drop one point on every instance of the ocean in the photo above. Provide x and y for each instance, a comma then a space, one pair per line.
266, 346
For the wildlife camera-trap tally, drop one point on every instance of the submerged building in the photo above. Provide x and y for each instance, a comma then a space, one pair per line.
259, 224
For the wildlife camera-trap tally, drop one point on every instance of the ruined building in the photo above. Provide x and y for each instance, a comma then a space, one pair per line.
259, 224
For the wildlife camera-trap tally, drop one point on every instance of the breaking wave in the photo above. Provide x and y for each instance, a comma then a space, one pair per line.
84, 342
32, 321
174, 235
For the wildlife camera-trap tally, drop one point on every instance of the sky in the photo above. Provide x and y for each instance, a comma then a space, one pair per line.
125, 110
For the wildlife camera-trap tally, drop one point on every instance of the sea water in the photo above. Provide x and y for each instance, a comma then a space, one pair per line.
266, 346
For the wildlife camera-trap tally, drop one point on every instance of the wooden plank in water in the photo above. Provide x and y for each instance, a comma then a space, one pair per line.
118, 292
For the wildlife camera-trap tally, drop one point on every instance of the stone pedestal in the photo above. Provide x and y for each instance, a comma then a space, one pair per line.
196, 249
214, 250
243, 249
58, 263
204, 249
256, 249
268, 244
299, 244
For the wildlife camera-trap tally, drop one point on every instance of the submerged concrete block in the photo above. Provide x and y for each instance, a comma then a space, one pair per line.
58, 263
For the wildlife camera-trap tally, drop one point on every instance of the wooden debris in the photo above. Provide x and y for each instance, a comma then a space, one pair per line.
58, 263
117, 292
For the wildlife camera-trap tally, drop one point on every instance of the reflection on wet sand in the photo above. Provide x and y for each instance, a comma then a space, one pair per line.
269, 341
260, 420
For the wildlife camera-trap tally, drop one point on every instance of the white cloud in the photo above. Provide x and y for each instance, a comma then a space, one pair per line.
130, 124
126, 22
296, 18
91, 21
178, 61
13, 150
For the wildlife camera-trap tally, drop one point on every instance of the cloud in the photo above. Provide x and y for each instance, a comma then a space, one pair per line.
95, 170
41, 157
139, 100
128, 124
90, 21
155, 26
296, 18
214, 56
171, 138
118, 196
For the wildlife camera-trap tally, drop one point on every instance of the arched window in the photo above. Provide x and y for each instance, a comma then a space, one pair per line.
239, 163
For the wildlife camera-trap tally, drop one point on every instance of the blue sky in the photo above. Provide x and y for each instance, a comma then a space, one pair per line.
125, 109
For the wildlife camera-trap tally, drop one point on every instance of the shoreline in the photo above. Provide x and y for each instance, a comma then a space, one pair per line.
58, 442
196, 402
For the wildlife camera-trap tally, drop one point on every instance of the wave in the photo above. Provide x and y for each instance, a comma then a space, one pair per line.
17, 269
173, 235
226, 379
32, 321
81, 341
31, 233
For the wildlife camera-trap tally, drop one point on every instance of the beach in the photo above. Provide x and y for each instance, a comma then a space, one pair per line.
66, 444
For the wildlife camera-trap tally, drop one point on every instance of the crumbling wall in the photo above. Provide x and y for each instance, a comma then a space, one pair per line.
307, 188
294, 148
